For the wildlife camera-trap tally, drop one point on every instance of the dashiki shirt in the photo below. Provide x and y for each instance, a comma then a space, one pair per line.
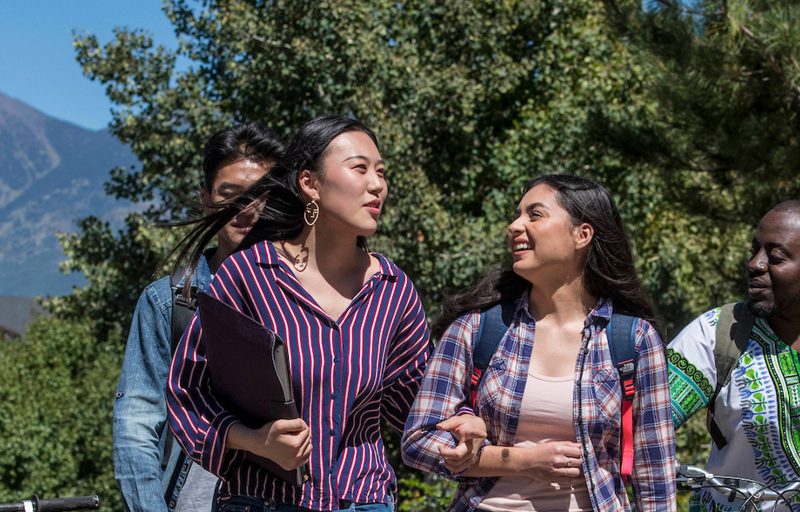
758, 411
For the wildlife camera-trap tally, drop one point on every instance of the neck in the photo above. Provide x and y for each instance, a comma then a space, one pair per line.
787, 327
326, 251
218, 257
565, 301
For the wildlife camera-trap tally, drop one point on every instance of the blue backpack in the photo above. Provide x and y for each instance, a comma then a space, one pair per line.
621, 335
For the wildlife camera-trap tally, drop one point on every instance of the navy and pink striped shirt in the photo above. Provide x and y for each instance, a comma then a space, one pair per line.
347, 374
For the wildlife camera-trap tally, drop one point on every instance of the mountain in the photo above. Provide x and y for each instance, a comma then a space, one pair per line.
51, 174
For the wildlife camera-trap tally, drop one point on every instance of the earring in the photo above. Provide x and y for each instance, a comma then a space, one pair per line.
311, 213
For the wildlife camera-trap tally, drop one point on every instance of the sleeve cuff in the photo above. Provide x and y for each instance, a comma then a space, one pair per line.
215, 455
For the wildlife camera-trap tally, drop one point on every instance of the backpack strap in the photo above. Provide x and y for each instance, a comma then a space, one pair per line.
494, 323
621, 336
733, 333
182, 312
183, 308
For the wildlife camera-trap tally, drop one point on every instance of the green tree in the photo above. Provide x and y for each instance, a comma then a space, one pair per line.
56, 391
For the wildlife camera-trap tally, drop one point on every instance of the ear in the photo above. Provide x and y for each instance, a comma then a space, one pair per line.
583, 235
309, 185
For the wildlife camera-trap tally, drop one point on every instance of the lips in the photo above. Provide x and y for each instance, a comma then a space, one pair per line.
373, 206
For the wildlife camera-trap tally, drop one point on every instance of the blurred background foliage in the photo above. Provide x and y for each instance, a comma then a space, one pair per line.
686, 111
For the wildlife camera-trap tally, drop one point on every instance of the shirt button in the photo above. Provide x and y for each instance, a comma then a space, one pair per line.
333, 396
333, 432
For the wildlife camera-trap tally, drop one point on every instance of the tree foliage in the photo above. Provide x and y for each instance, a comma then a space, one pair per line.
56, 394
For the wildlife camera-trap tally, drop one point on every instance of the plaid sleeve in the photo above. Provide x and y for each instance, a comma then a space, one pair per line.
653, 474
442, 394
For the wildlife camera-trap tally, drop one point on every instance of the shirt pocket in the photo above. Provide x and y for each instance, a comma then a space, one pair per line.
608, 397
492, 388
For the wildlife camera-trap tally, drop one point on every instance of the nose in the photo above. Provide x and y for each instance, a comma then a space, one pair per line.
757, 264
515, 227
376, 183
249, 215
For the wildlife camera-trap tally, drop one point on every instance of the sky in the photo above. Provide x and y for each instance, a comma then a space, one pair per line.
37, 61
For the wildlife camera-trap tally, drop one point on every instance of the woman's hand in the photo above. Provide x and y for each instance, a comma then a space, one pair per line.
286, 442
555, 459
470, 432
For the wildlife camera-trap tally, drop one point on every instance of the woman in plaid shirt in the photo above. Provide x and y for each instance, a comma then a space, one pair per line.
550, 399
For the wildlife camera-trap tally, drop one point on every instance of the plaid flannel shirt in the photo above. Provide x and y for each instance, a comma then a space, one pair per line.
596, 410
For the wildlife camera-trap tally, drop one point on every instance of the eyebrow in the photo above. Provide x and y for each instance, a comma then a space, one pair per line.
362, 157
531, 207
230, 186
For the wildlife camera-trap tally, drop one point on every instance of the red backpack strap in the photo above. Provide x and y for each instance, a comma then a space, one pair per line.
621, 335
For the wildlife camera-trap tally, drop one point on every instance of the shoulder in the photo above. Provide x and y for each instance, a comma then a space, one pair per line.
158, 293
386, 266
394, 274
240, 262
699, 332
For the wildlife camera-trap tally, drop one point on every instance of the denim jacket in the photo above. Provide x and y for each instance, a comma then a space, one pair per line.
140, 413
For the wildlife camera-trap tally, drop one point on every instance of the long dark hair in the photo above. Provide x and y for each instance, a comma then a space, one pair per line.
608, 271
281, 217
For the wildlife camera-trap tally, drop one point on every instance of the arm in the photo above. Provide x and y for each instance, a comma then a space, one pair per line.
199, 422
441, 395
139, 410
405, 363
653, 475
692, 372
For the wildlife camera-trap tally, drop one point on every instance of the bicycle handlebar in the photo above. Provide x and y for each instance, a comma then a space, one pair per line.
693, 477
54, 505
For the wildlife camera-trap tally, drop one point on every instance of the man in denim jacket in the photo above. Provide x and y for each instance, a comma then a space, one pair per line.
148, 463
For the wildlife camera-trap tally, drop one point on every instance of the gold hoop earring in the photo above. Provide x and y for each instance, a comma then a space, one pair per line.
311, 213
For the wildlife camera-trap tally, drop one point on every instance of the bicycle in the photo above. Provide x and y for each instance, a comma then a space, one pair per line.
754, 493
53, 505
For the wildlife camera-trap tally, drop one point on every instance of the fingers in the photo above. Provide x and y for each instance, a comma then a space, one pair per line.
456, 459
450, 424
304, 452
570, 467
289, 426
464, 427
468, 431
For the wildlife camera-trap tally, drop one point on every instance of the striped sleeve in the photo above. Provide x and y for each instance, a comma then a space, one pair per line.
653, 474
442, 394
198, 421
406, 361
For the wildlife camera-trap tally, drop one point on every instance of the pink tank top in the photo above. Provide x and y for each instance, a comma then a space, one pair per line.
545, 415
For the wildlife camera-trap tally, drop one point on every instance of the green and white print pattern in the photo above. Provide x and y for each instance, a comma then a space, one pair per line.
758, 410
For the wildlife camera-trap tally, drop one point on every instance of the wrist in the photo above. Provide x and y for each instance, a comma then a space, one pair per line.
239, 438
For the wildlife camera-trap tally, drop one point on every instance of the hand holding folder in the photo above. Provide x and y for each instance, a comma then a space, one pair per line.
249, 373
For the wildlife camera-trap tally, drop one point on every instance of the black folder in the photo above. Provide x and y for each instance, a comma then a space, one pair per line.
249, 373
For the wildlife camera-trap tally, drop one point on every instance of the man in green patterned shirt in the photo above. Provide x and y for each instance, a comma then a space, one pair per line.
756, 409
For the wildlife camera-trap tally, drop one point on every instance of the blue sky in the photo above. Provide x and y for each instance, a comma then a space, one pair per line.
37, 61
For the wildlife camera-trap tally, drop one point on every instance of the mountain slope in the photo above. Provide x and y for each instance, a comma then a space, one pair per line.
51, 174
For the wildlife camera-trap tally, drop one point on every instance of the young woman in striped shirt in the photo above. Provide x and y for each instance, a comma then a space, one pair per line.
551, 396
353, 324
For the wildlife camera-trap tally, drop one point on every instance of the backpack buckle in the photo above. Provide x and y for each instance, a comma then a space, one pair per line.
180, 300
